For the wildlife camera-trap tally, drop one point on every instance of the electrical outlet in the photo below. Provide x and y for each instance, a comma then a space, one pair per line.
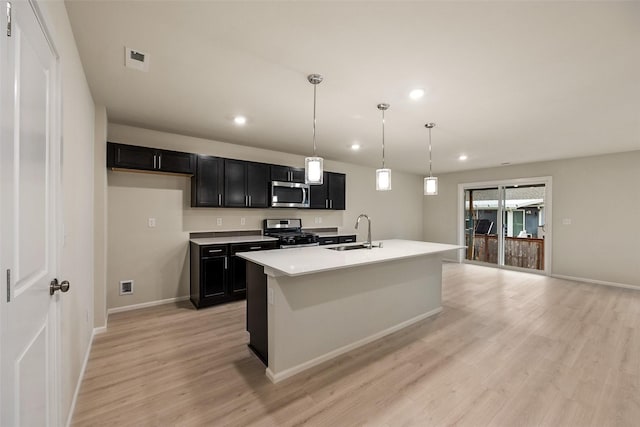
566, 221
243, 221
151, 222
319, 220
219, 221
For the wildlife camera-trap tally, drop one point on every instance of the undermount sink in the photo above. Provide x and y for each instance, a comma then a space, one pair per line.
348, 247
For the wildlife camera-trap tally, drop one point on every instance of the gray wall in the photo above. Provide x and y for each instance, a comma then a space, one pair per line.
156, 258
601, 197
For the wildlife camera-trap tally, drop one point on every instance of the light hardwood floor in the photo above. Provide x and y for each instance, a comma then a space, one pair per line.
509, 349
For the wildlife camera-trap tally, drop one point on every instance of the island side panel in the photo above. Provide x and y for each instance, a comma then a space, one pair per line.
257, 310
318, 316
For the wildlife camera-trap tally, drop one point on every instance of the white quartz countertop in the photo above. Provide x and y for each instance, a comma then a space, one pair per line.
309, 260
232, 239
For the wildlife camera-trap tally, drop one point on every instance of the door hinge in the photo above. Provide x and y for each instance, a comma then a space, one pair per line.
8, 285
8, 19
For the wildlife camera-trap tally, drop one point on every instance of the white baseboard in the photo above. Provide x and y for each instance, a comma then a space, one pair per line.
145, 305
80, 378
596, 282
337, 352
99, 330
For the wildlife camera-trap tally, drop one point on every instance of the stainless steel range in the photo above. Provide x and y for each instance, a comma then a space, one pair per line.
289, 232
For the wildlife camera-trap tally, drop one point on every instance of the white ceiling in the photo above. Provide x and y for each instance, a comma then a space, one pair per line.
505, 81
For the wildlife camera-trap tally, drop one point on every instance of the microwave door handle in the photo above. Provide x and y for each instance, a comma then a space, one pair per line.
304, 195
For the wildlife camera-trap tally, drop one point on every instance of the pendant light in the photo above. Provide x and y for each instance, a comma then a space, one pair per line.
313, 165
383, 175
430, 182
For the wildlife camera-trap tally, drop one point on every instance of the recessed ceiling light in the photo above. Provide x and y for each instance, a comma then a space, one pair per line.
463, 157
416, 94
240, 120
355, 147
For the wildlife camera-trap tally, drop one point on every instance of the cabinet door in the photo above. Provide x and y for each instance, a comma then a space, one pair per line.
279, 173
319, 194
258, 184
207, 185
213, 275
297, 175
337, 183
238, 280
130, 157
175, 162
235, 183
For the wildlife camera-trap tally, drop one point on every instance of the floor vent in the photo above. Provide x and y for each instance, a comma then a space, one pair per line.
126, 287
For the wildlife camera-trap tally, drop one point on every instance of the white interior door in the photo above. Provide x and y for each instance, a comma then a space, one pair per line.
29, 164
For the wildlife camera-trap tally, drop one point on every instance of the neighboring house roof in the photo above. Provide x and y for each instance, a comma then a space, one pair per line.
509, 204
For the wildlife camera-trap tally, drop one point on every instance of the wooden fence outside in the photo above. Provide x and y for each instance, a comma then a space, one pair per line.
518, 252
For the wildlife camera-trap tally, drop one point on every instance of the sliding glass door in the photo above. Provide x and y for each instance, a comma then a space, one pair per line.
505, 224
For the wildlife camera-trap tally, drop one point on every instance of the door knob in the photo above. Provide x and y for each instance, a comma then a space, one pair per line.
55, 286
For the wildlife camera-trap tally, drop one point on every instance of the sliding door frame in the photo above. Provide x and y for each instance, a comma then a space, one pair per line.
548, 222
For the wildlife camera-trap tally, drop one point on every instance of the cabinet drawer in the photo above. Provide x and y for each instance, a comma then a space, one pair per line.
347, 239
211, 251
328, 240
256, 246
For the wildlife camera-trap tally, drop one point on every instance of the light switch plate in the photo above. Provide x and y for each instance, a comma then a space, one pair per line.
219, 221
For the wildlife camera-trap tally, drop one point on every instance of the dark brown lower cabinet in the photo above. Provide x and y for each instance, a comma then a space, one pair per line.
238, 279
209, 273
218, 275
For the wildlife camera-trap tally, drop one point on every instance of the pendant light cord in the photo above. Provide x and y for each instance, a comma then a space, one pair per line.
314, 119
430, 153
382, 139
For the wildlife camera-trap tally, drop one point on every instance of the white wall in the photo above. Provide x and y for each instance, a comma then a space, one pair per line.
77, 187
156, 258
100, 219
599, 194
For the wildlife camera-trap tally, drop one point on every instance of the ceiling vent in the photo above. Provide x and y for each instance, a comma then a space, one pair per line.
136, 59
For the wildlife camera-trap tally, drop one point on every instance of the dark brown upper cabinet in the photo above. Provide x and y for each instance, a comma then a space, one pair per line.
246, 184
331, 194
131, 157
207, 184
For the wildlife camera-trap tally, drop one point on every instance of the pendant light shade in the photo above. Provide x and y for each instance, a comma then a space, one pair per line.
313, 166
431, 186
430, 182
383, 175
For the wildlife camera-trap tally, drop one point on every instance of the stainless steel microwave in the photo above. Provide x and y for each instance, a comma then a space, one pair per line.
289, 194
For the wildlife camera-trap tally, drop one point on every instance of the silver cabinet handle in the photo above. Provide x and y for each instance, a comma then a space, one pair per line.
226, 264
213, 251
159, 161
326, 203
154, 161
246, 200
249, 200
253, 248
220, 199
326, 242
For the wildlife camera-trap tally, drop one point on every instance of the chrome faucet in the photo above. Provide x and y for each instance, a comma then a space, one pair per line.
368, 242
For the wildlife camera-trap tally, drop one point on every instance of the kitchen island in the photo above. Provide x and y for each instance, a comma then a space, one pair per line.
308, 305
